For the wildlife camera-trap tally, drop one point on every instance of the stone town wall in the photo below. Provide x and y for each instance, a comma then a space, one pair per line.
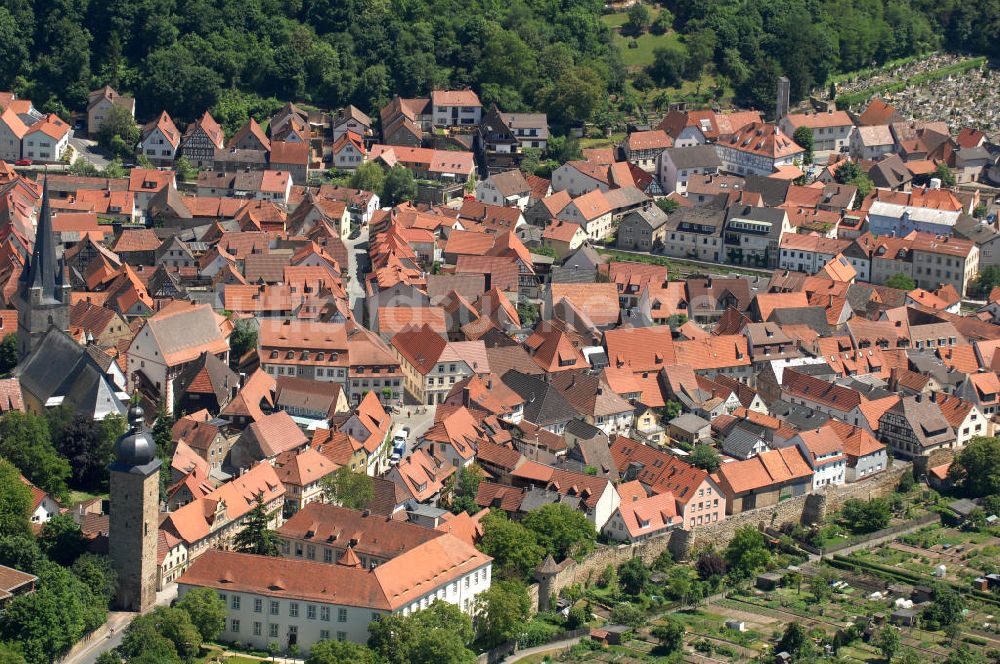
808, 508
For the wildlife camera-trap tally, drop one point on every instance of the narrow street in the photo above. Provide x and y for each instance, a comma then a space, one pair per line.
110, 635
357, 267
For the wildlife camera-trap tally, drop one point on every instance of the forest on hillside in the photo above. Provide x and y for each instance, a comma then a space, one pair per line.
240, 57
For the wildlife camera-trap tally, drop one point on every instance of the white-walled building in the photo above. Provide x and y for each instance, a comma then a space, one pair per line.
170, 341
455, 108
300, 602
46, 140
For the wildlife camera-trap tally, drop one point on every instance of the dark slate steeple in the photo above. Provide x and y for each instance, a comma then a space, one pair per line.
44, 271
43, 296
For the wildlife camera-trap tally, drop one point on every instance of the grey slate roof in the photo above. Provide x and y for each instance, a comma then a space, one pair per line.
61, 367
695, 156
740, 442
798, 416
543, 404
689, 422
814, 317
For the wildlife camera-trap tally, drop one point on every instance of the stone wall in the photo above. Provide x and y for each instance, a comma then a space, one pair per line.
808, 508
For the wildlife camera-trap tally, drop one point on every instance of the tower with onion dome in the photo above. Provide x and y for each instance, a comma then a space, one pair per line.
134, 518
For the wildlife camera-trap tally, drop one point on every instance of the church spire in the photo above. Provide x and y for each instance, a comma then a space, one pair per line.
44, 271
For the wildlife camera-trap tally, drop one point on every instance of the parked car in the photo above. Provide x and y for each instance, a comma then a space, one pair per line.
23, 162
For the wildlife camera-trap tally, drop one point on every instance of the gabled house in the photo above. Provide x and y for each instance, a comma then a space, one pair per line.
200, 141
915, 427
159, 140
764, 480
349, 151
99, 105
698, 498
46, 140
169, 342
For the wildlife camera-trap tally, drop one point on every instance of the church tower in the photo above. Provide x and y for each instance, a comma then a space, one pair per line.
43, 292
134, 518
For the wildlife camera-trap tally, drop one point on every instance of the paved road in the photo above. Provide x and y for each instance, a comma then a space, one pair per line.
90, 152
357, 259
547, 648
100, 642
414, 420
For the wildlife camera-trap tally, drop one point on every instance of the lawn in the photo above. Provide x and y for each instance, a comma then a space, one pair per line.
80, 496
592, 142
642, 54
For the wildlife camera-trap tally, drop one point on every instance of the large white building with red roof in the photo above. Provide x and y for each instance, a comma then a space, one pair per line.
300, 602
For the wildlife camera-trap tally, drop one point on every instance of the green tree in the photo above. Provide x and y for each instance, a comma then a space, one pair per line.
668, 205
82, 167
9, 354
175, 624
463, 498
369, 176
21, 552
342, 652
143, 641
257, 536
639, 19
946, 608
572, 97
88, 445
564, 148
118, 124
865, 516
670, 634
964, 655
400, 186
515, 550
794, 641
46, 623
747, 553
207, 612
710, 566
531, 159
850, 172
669, 63
675, 321
633, 576
561, 530
115, 169
25, 442
803, 136
502, 612
663, 23
945, 174
439, 634
671, 409
887, 641
705, 457
100, 576
819, 586
987, 279
243, 339
10, 655
15, 503
901, 281
976, 469
346, 487
186, 172
626, 613
61, 539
